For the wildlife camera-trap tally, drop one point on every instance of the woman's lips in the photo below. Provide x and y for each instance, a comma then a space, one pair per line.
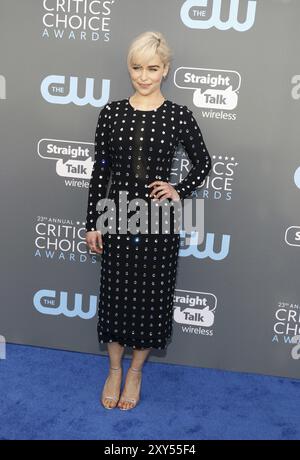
144, 86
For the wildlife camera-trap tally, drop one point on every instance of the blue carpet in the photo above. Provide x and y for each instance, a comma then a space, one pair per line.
54, 394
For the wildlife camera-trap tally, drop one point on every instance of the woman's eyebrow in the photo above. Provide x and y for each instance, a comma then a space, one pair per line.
153, 65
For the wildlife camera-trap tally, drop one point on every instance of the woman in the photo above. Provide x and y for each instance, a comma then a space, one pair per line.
136, 139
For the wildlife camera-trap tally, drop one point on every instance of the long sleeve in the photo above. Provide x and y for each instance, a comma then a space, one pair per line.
192, 140
101, 169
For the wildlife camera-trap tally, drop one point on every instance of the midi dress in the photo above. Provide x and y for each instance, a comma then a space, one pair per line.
133, 148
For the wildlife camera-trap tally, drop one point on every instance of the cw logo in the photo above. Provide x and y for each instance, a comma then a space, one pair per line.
297, 177
2, 87
208, 252
200, 21
48, 302
58, 91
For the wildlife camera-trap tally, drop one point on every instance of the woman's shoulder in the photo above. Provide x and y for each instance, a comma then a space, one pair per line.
181, 108
111, 105
114, 103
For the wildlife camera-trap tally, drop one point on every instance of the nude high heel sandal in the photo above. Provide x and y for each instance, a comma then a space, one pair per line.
113, 397
131, 400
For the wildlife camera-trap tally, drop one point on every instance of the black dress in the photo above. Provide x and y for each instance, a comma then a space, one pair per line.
138, 270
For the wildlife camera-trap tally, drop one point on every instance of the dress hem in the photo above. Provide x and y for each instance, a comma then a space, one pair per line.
132, 342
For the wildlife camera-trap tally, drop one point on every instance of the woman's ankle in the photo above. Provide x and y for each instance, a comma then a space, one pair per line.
135, 369
115, 368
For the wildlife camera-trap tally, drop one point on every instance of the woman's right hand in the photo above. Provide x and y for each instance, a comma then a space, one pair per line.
94, 241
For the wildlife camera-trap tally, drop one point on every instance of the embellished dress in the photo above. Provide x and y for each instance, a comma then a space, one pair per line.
134, 148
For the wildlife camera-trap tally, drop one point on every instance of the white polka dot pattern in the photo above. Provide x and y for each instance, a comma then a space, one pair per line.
192, 140
138, 271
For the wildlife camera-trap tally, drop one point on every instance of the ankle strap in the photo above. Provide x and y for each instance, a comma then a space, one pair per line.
136, 370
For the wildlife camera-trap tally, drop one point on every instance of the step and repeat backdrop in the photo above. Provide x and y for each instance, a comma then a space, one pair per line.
236, 66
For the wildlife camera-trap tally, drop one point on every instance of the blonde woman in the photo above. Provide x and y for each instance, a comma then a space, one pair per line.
136, 138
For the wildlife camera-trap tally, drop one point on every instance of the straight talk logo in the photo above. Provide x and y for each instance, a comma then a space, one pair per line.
195, 311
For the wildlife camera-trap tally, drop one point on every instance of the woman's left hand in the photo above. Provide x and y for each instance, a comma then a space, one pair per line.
163, 190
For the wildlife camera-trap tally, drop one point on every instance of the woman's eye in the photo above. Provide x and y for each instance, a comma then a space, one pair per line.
137, 68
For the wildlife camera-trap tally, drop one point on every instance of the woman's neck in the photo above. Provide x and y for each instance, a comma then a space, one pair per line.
146, 102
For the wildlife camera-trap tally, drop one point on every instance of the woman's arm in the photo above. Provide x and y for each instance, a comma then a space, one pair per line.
101, 169
192, 140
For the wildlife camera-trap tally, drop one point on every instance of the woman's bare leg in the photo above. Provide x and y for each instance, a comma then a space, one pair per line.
115, 351
133, 378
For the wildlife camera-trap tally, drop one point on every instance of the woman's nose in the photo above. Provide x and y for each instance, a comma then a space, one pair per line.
144, 75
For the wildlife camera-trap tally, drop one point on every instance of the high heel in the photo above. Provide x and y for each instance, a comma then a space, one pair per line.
131, 400
114, 397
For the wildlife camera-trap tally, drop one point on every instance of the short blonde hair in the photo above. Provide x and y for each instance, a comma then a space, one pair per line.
147, 44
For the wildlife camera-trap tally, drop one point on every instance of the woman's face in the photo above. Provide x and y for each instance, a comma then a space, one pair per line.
146, 78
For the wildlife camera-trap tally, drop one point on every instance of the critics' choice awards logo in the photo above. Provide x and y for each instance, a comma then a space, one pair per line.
213, 89
287, 326
61, 239
217, 185
195, 311
77, 19
58, 89
205, 14
73, 160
